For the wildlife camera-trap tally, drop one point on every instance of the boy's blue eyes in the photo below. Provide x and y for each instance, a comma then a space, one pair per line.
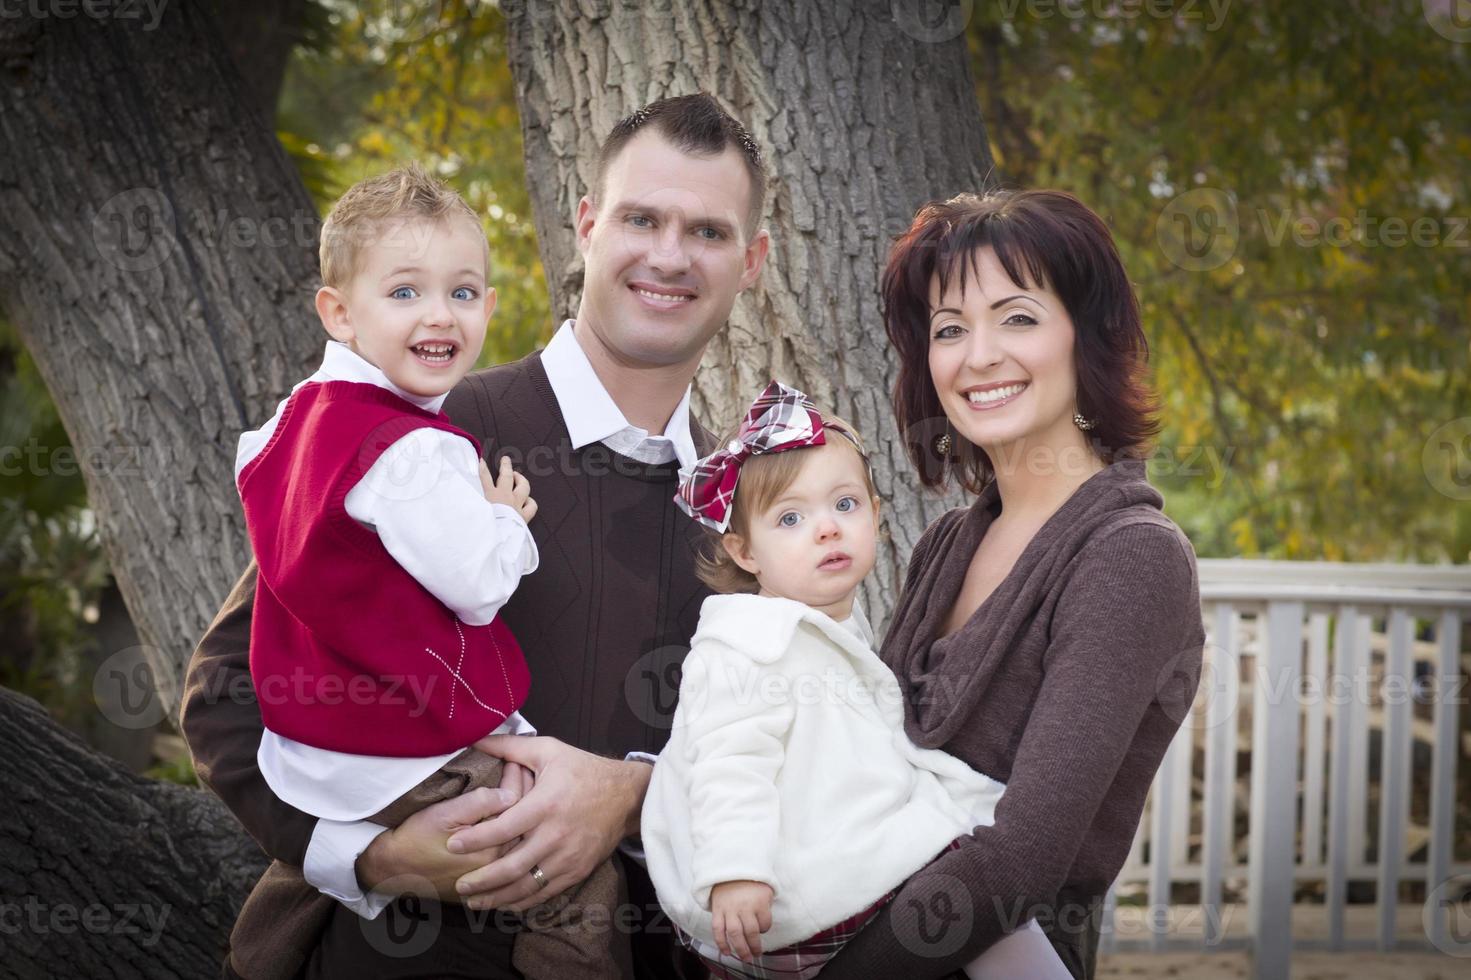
463, 293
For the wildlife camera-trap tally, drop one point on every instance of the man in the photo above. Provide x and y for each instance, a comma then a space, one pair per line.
600, 423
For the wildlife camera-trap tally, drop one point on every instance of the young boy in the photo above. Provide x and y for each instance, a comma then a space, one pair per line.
386, 548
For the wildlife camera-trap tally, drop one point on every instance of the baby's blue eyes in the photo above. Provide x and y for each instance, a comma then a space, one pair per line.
845, 505
404, 292
469, 293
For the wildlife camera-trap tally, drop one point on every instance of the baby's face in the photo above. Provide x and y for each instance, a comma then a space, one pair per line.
817, 541
418, 305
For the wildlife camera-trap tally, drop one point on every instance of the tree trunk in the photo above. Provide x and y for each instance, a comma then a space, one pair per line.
106, 874
157, 258
866, 109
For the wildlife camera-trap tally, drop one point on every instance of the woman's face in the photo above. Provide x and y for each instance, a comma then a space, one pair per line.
1001, 359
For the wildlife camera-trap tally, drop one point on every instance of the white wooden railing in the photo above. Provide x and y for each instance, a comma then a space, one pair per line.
1302, 661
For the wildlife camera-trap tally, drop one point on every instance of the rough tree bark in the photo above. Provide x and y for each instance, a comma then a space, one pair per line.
104, 874
156, 255
866, 109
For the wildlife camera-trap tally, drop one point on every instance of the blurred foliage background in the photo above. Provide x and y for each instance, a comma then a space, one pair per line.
1303, 376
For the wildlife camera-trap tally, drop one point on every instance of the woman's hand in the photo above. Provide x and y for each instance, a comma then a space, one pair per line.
742, 912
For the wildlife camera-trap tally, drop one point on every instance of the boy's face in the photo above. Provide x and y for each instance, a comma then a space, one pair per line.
418, 304
817, 541
666, 251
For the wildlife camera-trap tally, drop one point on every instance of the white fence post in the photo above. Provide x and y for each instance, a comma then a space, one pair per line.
1313, 754
1221, 719
1394, 772
1274, 790
1345, 660
1443, 770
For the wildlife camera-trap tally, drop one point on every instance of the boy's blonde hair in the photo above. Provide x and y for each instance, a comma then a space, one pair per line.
358, 216
764, 479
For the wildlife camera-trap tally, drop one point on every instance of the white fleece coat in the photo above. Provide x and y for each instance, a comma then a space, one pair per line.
788, 764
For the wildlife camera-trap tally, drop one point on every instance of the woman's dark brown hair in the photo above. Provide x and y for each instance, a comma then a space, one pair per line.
1046, 239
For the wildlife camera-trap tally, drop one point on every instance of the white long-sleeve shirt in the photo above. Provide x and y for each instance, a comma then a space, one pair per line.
424, 499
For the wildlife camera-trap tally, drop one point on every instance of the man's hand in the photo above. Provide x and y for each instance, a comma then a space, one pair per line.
413, 857
578, 808
742, 912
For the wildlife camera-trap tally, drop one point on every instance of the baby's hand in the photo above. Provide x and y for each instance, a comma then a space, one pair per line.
742, 911
509, 488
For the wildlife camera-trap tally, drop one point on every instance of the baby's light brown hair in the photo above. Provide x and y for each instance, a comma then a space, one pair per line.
764, 479
357, 219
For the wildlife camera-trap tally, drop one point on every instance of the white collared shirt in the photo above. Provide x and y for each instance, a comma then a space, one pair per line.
592, 415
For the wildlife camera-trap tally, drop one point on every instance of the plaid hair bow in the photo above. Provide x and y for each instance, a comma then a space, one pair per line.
780, 418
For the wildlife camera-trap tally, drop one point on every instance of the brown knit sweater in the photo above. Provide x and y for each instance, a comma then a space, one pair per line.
1067, 684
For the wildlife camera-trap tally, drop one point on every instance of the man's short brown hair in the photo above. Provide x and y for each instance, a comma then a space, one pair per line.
695, 124
358, 216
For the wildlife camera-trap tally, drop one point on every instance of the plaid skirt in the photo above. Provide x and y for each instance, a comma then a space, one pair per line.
801, 960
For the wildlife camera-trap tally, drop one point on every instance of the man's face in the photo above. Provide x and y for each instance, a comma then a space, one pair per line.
666, 251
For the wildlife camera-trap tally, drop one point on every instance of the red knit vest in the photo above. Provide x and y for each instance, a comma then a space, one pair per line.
347, 651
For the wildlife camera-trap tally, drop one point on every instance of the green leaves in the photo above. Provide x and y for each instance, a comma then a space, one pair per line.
1320, 347
427, 82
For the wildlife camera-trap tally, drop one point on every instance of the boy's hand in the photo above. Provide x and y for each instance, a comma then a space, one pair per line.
509, 488
742, 911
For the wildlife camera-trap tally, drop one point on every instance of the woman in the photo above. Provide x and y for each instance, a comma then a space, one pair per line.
1049, 634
